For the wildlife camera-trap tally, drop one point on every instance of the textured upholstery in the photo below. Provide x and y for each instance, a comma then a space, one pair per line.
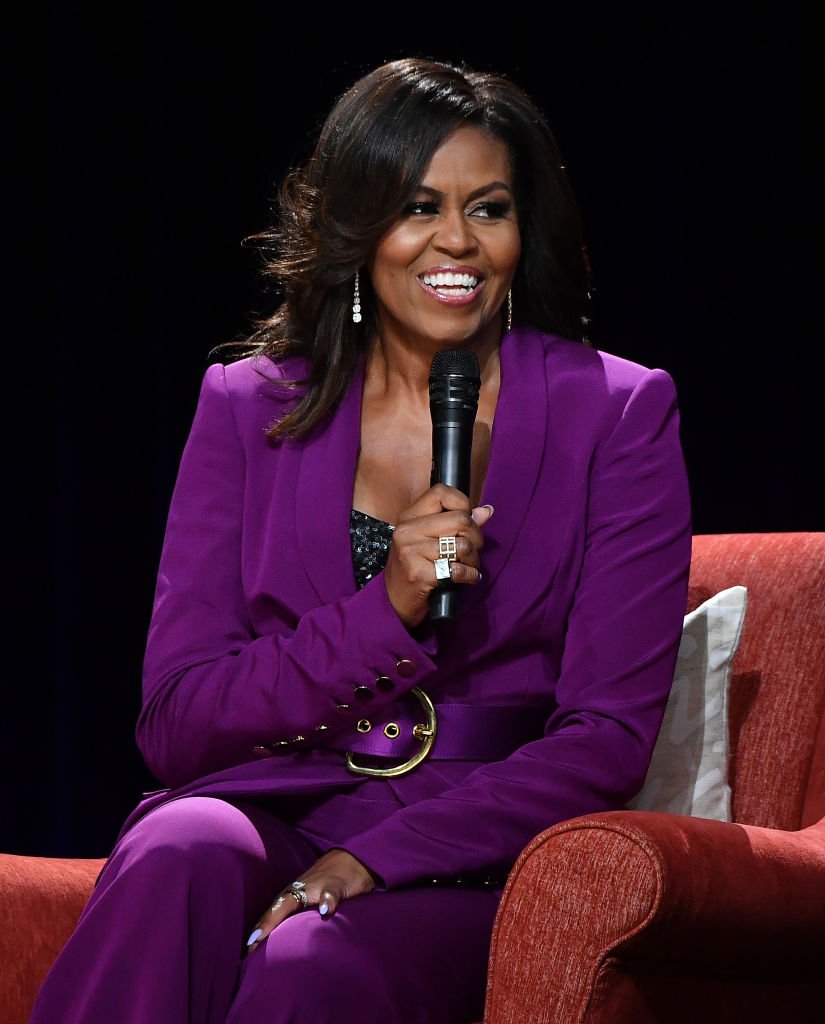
641, 917
777, 698
630, 916
41, 899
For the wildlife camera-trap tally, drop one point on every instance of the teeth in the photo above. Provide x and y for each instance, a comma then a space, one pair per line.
450, 280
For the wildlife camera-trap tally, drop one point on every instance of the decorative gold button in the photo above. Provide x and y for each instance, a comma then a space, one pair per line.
343, 708
384, 683
406, 668
391, 730
363, 693
364, 725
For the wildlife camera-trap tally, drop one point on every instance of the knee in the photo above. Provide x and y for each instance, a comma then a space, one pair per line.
188, 838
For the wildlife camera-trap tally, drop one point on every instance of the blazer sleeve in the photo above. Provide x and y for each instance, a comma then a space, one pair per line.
212, 688
623, 634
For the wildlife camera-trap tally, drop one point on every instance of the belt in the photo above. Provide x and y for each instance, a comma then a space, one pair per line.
446, 732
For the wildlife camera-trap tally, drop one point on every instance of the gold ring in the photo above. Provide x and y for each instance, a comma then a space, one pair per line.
300, 897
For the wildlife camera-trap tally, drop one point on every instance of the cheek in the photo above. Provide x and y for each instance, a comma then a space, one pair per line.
390, 269
390, 284
396, 252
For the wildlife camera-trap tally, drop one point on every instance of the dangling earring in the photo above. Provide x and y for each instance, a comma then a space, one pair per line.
509, 309
356, 301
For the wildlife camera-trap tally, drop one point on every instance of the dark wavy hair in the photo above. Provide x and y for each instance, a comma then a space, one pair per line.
372, 154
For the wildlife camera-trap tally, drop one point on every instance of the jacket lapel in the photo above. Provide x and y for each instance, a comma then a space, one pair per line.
323, 497
516, 450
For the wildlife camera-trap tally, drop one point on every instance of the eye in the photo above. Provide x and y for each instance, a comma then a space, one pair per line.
421, 207
491, 210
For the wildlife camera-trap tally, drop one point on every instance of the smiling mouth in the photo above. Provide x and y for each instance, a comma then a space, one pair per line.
449, 284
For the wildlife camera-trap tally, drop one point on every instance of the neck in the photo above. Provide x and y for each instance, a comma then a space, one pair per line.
397, 365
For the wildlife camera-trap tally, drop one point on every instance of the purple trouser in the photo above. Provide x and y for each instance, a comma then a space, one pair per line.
162, 938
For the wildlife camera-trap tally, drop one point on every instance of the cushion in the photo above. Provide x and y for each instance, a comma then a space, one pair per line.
688, 772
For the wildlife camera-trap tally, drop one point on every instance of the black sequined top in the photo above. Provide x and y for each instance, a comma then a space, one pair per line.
371, 539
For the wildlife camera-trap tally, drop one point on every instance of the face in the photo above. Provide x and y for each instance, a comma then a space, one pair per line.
461, 222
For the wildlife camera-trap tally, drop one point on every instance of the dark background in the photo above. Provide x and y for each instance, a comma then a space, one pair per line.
146, 143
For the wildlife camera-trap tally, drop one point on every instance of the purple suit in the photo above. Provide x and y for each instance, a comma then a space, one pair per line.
259, 636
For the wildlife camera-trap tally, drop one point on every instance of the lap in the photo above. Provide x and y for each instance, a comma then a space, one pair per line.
411, 956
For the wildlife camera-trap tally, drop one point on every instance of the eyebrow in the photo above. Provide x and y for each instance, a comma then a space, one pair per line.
474, 194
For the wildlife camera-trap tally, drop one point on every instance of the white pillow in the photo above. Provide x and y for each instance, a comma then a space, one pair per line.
688, 772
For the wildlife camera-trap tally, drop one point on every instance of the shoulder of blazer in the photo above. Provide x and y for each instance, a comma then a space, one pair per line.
590, 385
263, 375
565, 355
593, 370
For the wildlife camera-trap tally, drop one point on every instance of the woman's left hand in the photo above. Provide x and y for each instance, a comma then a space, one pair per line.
332, 878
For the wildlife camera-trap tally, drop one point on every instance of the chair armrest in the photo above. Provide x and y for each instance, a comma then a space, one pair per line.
645, 887
42, 899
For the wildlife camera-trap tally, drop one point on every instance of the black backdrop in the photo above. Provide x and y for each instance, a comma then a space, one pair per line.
148, 140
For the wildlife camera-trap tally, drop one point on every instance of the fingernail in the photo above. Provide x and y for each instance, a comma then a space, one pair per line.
253, 938
490, 507
323, 910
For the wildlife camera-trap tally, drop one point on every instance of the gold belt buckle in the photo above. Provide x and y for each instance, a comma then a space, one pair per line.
425, 733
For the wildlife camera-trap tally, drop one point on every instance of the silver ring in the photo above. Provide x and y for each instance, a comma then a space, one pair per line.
442, 568
447, 548
300, 896
297, 886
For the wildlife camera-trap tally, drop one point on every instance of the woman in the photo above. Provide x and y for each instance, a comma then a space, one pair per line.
281, 654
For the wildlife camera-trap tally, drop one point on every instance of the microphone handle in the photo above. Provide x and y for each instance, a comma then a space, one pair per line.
452, 454
452, 449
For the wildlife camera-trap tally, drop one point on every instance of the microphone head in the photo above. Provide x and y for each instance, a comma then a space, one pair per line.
455, 381
455, 361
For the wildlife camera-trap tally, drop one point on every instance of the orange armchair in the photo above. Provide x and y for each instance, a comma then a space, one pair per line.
645, 917
629, 916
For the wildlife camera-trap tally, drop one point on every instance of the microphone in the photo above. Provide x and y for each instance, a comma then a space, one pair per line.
455, 380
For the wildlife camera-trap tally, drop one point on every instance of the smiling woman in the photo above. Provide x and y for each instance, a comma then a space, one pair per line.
290, 627
415, 143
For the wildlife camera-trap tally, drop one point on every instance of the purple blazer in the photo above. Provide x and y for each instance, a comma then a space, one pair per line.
259, 635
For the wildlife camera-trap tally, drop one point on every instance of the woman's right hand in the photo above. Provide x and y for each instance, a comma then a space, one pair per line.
409, 575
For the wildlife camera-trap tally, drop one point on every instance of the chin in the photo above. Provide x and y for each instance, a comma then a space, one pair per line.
458, 334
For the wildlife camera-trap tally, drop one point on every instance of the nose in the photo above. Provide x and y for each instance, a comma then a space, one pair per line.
454, 234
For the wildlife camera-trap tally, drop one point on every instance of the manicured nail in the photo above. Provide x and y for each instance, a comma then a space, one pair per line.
323, 910
253, 938
490, 507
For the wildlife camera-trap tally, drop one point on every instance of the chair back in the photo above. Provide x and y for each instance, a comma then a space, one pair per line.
777, 695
